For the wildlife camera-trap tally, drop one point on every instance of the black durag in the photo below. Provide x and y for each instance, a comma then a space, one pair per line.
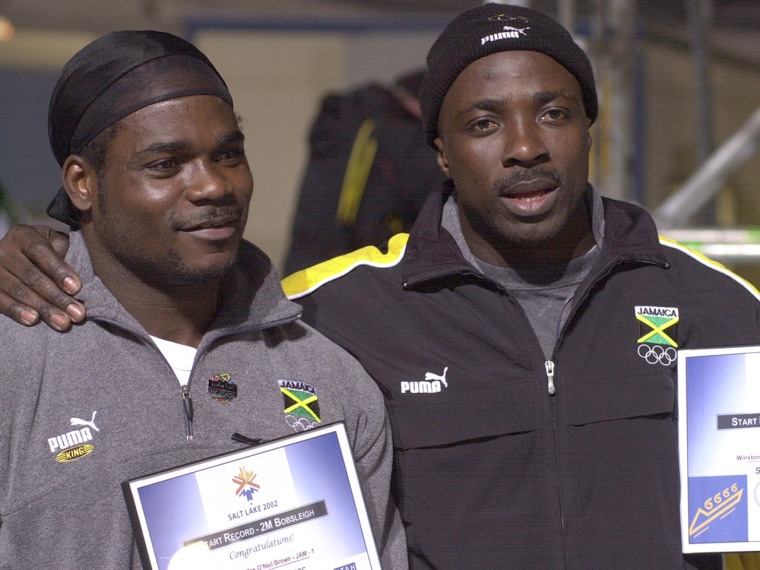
114, 76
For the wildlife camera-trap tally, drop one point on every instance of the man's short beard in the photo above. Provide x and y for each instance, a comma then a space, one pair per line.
182, 275
172, 271
490, 231
175, 273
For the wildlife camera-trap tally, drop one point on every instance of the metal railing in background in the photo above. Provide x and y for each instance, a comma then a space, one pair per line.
735, 245
707, 181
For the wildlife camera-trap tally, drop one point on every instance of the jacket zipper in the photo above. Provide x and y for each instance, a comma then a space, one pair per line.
550, 373
187, 399
549, 364
550, 377
187, 402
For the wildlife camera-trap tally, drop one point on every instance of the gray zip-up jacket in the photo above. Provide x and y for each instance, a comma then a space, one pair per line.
61, 504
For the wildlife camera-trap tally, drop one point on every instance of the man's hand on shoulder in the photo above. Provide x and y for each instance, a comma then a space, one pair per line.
35, 281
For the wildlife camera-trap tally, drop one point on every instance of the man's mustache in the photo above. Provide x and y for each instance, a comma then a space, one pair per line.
504, 185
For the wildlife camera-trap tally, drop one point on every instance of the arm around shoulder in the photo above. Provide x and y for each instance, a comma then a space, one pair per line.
35, 281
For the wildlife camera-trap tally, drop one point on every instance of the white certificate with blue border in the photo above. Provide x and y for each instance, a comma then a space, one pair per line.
292, 503
719, 446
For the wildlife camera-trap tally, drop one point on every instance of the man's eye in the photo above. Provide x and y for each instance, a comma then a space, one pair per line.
231, 154
165, 164
554, 114
483, 125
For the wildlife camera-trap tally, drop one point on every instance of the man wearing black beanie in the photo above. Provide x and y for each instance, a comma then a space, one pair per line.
531, 395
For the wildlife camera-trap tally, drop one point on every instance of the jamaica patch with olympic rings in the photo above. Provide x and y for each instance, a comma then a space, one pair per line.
658, 334
300, 404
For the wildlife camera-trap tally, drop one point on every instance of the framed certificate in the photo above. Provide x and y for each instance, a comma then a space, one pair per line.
719, 447
293, 503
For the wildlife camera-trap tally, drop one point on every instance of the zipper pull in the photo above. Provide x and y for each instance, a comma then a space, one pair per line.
240, 438
550, 377
187, 402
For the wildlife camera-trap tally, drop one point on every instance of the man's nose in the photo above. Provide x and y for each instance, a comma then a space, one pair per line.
524, 144
209, 182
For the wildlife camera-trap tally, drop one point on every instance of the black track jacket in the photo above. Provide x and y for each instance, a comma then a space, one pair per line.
491, 469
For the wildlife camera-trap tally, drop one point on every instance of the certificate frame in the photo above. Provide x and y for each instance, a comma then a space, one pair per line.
294, 499
719, 449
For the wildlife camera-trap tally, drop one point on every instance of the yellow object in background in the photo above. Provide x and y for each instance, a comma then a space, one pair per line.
741, 561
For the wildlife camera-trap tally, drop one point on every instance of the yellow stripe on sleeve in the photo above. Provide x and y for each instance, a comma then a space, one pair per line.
307, 280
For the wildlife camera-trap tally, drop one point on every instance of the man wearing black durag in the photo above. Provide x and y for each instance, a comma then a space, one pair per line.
156, 180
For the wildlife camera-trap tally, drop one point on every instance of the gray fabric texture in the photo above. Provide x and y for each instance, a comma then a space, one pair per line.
72, 514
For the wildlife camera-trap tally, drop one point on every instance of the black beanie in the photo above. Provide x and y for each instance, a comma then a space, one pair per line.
492, 28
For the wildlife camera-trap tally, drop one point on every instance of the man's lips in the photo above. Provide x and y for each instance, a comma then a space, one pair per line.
213, 227
529, 197
213, 223
527, 189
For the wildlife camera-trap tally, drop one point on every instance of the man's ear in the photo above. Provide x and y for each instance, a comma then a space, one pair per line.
443, 162
80, 182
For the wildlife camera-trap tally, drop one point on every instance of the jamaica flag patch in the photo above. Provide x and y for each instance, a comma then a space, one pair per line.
658, 325
300, 400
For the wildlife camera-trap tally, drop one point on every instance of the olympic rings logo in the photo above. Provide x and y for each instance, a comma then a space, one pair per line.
657, 353
300, 424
